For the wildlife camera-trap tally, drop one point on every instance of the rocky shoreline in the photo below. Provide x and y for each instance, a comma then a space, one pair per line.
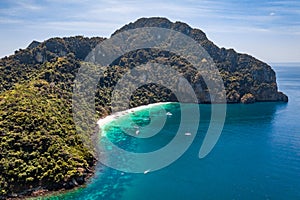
39, 141
40, 191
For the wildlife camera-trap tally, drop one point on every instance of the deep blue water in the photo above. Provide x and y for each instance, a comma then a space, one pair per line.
256, 157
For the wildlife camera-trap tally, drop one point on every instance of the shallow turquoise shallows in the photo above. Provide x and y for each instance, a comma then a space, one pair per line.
256, 157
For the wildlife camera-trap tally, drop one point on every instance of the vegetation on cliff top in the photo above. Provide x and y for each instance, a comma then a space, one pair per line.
39, 145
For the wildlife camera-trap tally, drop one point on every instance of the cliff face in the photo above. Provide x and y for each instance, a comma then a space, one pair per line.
36, 86
244, 76
27, 63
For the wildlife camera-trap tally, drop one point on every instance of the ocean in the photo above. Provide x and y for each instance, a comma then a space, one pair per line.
256, 157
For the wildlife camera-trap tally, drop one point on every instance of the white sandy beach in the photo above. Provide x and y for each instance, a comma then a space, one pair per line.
106, 120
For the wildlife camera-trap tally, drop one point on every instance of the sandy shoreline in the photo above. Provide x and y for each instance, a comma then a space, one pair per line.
101, 123
106, 120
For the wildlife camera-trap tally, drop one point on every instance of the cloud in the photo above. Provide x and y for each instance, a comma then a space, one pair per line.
120, 12
8, 21
28, 5
86, 17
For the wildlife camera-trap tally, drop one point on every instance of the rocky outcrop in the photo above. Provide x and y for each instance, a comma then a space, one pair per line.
36, 87
26, 63
248, 98
242, 74
33, 44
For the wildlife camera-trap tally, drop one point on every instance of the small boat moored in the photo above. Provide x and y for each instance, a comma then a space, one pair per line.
169, 114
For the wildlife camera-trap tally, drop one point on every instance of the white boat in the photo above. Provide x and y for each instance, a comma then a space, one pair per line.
187, 134
147, 171
169, 114
137, 132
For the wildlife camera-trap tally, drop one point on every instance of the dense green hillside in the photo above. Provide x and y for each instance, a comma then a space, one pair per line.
39, 145
243, 75
38, 141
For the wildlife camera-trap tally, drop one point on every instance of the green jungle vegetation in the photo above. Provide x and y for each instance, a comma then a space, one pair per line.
39, 144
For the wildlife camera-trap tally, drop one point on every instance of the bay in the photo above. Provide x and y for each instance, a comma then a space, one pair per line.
256, 157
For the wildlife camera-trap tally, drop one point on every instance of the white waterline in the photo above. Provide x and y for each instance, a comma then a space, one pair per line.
108, 119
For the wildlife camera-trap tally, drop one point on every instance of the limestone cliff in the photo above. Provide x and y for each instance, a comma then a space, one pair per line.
40, 147
243, 75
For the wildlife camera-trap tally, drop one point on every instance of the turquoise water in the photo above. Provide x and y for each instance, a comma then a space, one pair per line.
256, 157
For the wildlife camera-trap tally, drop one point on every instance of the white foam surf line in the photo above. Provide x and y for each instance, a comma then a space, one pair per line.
108, 119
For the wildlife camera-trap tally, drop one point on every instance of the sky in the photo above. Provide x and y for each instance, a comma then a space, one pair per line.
268, 30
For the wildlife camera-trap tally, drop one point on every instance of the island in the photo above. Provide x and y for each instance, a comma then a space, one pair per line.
40, 148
